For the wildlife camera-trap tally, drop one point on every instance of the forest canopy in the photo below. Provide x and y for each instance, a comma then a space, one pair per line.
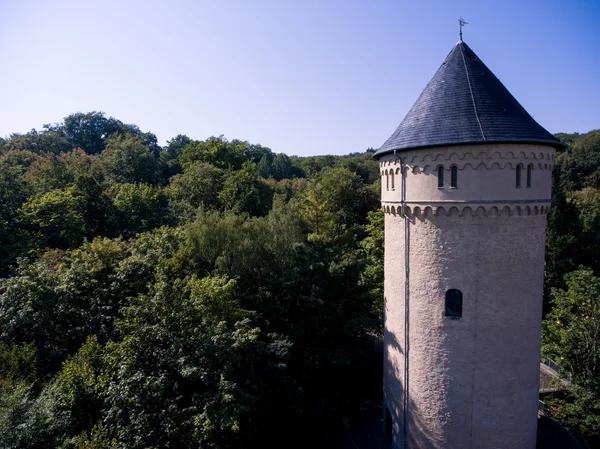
217, 294
205, 294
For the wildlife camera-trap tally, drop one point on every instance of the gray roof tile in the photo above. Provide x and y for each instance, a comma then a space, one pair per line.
464, 103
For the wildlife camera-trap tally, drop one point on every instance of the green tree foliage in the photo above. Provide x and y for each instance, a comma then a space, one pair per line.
277, 166
90, 131
587, 203
282, 167
563, 239
54, 219
372, 274
87, 174
580, 164
245, 192
61, 298
16, 364
19, 160
246, 323
363, 165
127, 159
572, 328
217, 151
76, 395
334, 201
199, 185
181, 385
264, 166
24, 420
137, 208
100, 437
571, 335
170, 156
13, 193
48, 172
572, 292
233, 329
42, 142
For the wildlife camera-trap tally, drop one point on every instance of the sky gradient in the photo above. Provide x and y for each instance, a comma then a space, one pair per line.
301, 77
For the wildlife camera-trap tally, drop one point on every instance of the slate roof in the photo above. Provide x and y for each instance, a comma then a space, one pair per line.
464, 103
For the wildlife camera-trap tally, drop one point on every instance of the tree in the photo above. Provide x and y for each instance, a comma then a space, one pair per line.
282, 167
185, 378
13, 192
48, 172
563, 239
61, 298
217, 151
571, 336
264, 166
170, 156
199, 185
54, 219
90, 131
580, 164
230, 330
138, 208
127, 159
587, 202
372, 274
332, 202
571, 331
20, 160
42, 142
245, 192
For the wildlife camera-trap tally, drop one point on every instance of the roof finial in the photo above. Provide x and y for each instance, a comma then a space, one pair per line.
462, 23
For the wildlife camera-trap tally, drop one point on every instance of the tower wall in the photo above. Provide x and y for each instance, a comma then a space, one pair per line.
471, 381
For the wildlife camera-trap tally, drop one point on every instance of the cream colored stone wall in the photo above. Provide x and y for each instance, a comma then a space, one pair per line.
472, 382
485, 173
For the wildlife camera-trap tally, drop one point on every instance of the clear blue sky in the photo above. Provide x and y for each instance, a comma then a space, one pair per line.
301, 77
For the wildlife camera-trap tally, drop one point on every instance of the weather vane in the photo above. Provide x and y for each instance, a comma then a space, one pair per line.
462, 23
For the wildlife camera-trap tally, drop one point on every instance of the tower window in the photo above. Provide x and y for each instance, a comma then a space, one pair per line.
453, 177
392, 178
440, 177
518, 181
454, 303
529, 167
387, 180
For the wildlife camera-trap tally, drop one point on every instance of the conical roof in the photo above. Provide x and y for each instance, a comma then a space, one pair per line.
464, 103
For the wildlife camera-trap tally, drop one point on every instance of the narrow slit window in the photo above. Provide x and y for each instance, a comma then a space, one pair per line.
518, 181
529, 167
392, 178
454, 301
453, 177
387, 180
440, 177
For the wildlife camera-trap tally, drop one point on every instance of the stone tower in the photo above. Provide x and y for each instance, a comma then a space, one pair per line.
466, 184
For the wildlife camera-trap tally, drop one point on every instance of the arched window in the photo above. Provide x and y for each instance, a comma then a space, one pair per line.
387, 180
454, 303
441, 177
529, 167
518, 182
392, 178
453, 177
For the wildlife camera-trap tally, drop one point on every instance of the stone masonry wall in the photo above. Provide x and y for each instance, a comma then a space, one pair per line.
472, 382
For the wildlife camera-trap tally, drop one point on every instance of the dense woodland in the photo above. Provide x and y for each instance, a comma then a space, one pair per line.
215, 294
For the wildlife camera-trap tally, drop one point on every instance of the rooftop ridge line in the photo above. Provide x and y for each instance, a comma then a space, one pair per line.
470, 87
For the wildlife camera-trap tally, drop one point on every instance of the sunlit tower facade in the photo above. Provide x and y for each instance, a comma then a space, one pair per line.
466, 186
